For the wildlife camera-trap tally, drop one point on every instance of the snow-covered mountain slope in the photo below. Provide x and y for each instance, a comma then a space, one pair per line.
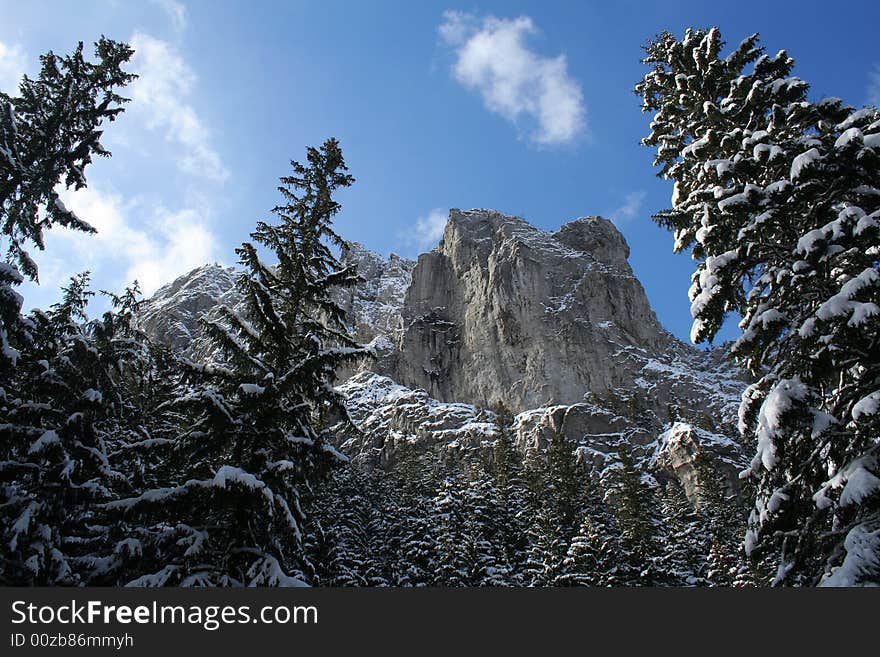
172, 315
391, 416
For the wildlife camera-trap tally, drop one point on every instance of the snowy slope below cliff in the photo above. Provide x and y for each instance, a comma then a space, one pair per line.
392, 417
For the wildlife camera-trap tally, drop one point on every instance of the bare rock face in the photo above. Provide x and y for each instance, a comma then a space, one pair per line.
504, 312
679, 448
374, 305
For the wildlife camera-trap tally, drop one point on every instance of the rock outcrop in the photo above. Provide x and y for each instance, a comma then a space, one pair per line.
171, 316
392, 416
680, 447
504, 312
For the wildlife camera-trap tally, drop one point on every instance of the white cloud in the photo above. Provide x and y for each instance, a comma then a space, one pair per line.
427, 230
135, 240
159, 98
493, 59
12, 67
874, 86
176, 13
631, 207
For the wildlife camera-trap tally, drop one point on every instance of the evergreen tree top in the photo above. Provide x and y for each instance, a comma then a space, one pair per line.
49, 134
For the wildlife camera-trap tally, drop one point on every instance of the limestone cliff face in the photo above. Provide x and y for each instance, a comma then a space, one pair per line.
503, 311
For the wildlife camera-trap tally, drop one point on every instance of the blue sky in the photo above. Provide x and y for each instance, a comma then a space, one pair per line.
519, 106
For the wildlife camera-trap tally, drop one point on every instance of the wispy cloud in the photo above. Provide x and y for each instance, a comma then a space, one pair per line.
630, 209
874, 86
427, 230
492, 58
12, 67
136, 239
176, 13
159, 96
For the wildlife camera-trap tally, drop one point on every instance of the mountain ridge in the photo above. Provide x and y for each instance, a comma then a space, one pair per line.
553, 326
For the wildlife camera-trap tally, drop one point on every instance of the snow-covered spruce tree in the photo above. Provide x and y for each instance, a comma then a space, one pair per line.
555, 483
590, 559
684, 539
777, 196
50, 373
138, 379
484, 535
509, 482
723, 520
416, 484
55, 471
230, 512
448, 524
354, 523
635, 509
48, 136
546, 547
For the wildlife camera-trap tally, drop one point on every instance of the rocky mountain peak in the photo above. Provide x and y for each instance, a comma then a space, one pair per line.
596, 236
503, 311
172, 314
591, 236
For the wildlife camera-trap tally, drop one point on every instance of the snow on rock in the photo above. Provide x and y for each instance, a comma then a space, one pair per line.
172, 315
374, 305
391, 416
679, 448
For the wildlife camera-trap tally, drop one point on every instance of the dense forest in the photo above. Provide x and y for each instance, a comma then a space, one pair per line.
124, 463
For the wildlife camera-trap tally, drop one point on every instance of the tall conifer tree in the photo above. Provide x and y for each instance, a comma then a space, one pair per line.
777, 196
231, 513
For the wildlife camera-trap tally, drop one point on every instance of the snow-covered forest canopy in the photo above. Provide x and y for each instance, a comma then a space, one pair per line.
240, 456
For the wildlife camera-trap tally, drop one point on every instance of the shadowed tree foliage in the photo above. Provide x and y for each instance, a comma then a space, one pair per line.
777, 197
